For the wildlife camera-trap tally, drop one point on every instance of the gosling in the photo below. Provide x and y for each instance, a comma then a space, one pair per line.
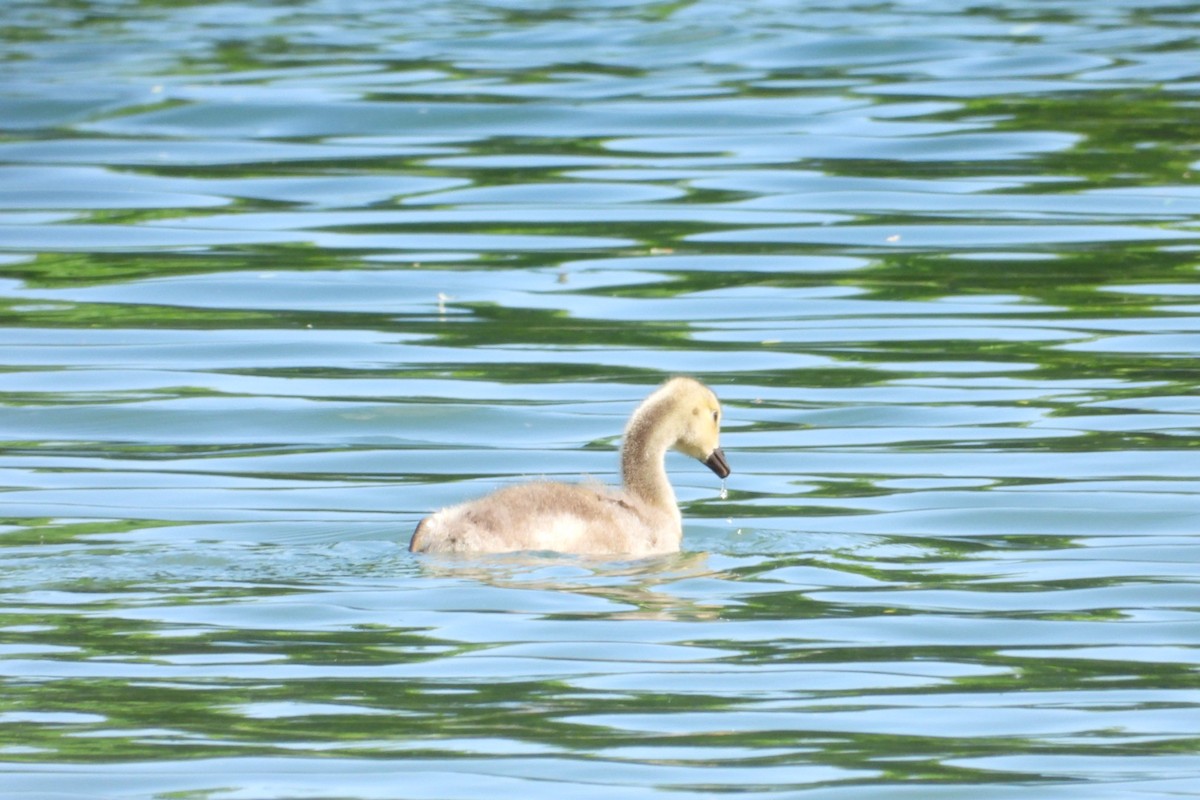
641, 519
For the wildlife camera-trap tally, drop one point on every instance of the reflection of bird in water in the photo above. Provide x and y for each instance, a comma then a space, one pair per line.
637, 589
641, 519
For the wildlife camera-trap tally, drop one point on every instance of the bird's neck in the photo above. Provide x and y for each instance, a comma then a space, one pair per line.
643, 453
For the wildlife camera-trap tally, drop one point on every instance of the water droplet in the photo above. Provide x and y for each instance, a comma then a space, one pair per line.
724, 491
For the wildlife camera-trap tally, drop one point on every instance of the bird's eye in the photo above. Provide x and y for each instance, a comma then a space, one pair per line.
716, 416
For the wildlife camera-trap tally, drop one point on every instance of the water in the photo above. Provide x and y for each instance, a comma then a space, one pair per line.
278, 279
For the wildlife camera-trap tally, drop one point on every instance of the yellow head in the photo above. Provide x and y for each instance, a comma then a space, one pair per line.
697, 407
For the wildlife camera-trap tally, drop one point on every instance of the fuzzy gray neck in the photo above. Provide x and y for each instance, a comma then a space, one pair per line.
644, 451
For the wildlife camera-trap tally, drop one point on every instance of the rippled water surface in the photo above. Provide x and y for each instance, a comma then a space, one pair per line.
276, 279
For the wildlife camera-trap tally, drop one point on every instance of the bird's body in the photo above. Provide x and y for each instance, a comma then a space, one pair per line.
642, 518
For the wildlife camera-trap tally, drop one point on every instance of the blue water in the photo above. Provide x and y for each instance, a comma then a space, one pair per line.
276, 280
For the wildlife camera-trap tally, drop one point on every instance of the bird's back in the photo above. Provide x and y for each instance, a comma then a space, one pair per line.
563, 517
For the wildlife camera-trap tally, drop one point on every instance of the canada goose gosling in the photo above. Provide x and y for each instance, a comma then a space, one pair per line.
641, 519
